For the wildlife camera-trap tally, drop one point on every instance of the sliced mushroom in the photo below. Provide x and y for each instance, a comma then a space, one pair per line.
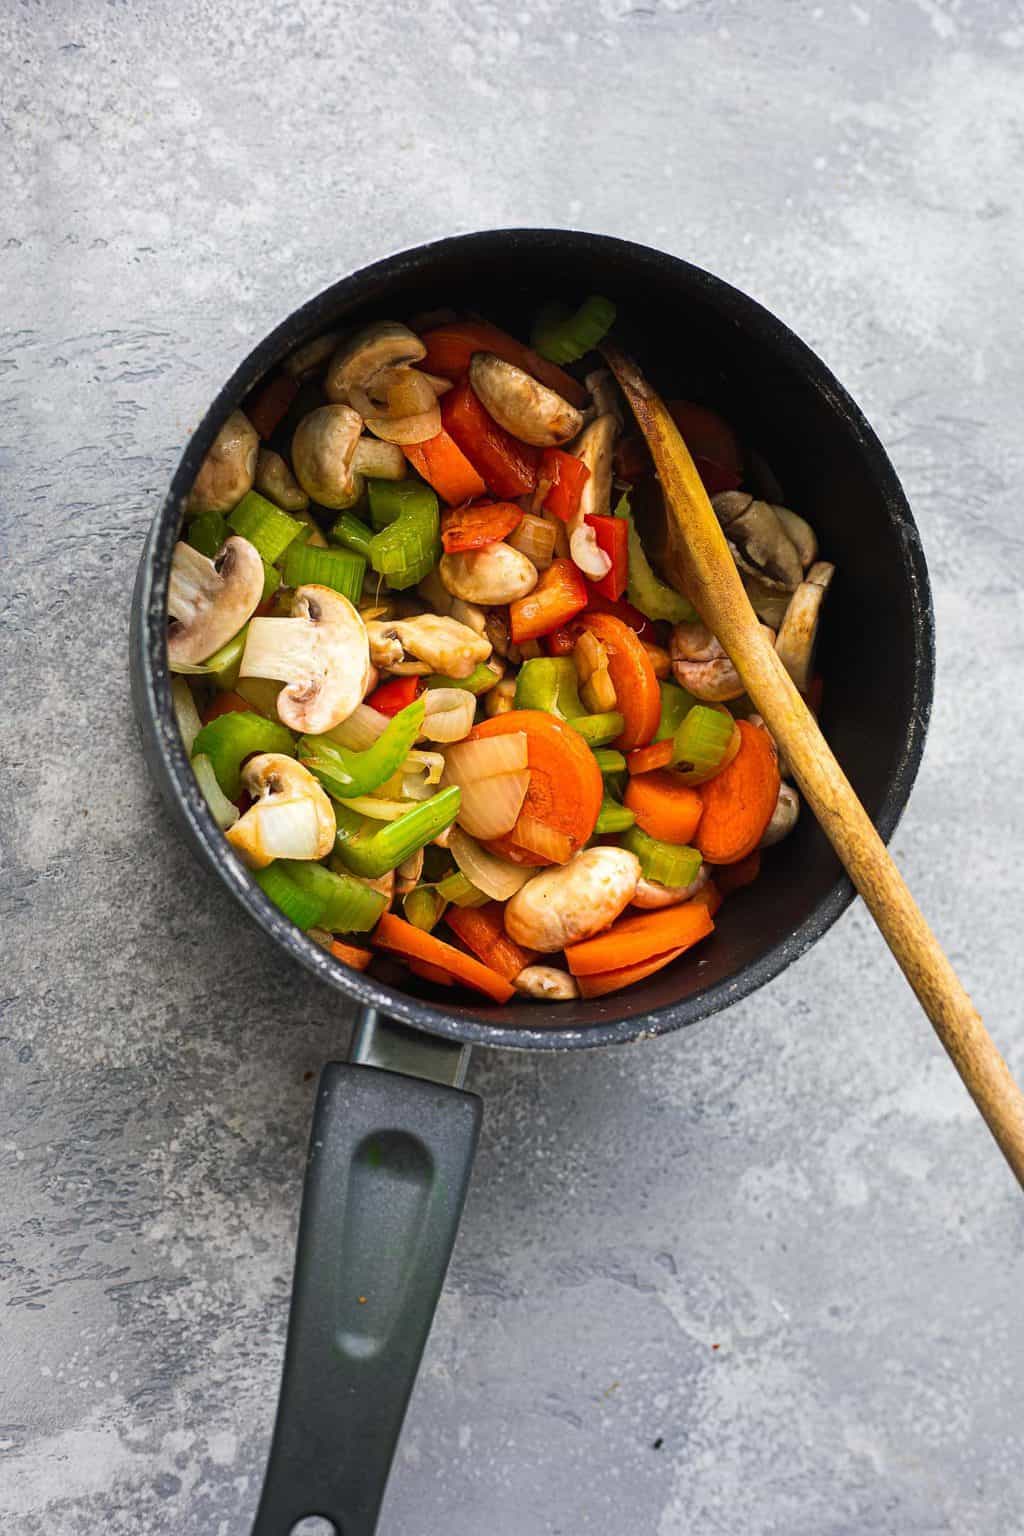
322, 451
799, 633
573, 901
209, 600
759, 535
275, 480
226, 474
321, 652
769, 599
386, 344
497, 573
292, 817
650, 896
800, 533
546, 982
430, 643
524, 407
784, 817
701, 665
604, 393
594, 448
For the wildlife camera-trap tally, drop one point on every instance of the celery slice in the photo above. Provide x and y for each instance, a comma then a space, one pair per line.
598, 730
231, 738
349, 905
346, 774
646, 591
564, 337
339, 569
702, 739
668, 864
407, 545
351, 533
303, 907
266, 527
460, 891
613, 817
675, 704
610, 763
482, 677
370, 849
423, 907
207, 533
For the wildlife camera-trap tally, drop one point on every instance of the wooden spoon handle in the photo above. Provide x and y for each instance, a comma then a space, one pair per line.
699, 557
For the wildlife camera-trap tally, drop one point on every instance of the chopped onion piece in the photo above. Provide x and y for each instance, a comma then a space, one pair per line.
496, 877
490, 807
546, 842
472, 760
284, 829
360, 730
185, 712
449, 714
378, 810
223, 810
534, 538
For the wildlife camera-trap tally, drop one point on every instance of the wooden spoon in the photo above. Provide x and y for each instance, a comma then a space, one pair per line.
698, 558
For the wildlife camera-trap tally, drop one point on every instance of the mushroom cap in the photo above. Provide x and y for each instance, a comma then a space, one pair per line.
784, 817
209, 600
385, 344
322, 450
524, 407
275, 480
292, 817
572, 901
798, 635
495, 573
226, 474
320, 652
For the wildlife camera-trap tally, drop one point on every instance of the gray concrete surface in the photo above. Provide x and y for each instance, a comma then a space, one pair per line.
762, 1278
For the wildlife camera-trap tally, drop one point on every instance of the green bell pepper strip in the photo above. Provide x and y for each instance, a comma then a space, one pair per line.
675, 705
564, 336
265, 526
371, 848
231, 738
613, 817
598, 730
482, 678
645, 590
346, 774
351, 533
407, 545
666, 863
348, 905
304, 907
207, 533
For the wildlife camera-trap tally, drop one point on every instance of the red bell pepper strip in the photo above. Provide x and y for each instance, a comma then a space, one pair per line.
444, 466
560, 594
394, 695
567, 477
268, 404
450, 347
612, 535
473, 527
508, 467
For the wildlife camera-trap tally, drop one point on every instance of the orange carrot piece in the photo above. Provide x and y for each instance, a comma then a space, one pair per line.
637, 938
356, 959
409, 943
733, 877
647, 759
450, 347
430, 972
471, 527
614, 981
632, 675
444, 466
565, 790
739, 801
664, 806
482, 930
227, 704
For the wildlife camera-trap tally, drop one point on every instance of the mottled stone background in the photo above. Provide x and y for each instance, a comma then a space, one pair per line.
764, 1277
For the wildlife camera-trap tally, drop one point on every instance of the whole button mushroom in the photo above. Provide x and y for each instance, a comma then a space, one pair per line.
275, 481
320, 652
784, 817
209, 600
494, 574
323, 448
227, 472
546, 982
701, 665
358, 361
292, 817
520, 404
573, 901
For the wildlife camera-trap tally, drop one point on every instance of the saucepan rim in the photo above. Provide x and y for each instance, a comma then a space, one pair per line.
152, 678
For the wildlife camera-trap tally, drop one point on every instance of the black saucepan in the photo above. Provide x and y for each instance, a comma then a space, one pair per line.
394, 1133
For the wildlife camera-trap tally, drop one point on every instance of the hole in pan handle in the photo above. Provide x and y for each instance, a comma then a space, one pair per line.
390, 1155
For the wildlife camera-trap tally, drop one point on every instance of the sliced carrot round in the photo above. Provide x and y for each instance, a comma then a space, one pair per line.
565, 790
739, 801
632, 675
664, 807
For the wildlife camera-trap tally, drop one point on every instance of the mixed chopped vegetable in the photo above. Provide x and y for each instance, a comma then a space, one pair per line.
434, 691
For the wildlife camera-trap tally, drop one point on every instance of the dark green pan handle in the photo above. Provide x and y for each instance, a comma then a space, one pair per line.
389, 1163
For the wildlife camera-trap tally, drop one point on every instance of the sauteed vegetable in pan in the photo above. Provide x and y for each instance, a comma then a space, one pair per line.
433, 689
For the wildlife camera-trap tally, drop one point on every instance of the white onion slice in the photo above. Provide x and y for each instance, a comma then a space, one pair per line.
546, 842
490, 807
449, 714
284, 829
223, 810
496, 877
185, 712
481, 759
360, 730
377, 809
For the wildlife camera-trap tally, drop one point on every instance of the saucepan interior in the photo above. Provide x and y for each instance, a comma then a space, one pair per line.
701, 339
